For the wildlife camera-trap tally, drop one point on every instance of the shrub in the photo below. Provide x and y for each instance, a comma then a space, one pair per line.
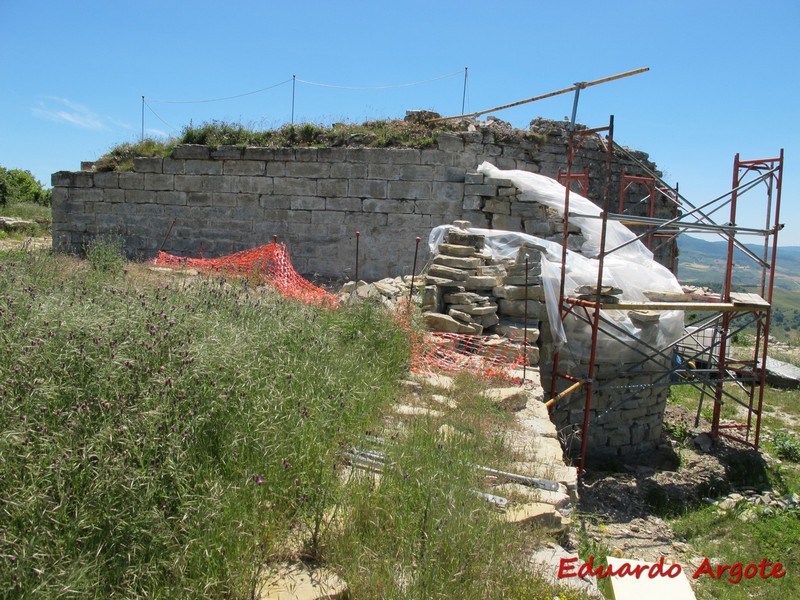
106, 254
786, 446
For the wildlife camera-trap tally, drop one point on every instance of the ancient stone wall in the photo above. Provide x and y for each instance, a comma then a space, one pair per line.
212, 202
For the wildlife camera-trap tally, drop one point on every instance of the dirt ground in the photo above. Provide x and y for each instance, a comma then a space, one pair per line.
623, 511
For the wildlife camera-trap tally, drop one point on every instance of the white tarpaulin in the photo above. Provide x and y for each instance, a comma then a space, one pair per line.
630, 268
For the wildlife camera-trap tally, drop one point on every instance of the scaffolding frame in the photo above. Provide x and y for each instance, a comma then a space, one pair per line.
701, 357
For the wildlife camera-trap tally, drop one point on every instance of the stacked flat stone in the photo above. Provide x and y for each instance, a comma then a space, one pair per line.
470, 292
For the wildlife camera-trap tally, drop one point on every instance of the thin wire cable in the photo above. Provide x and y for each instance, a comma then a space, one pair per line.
150, 108
378, 87
223, 98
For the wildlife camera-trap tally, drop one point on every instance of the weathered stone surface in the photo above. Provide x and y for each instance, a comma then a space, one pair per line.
476, 310
457, 262
480, 282
459, 237
448, 273
539, 513
299, 581
445, 323
456, 250
517, 308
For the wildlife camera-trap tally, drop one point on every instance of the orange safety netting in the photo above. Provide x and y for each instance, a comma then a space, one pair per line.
270, 262
483, 356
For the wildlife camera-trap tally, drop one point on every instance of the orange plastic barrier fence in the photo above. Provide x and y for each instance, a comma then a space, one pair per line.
270, 262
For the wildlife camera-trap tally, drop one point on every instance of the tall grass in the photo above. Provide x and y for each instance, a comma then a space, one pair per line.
166, 440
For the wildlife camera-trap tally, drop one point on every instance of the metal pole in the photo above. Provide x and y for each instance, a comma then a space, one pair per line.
464, 94
358, 236
525, 329
578, 88
413, 272
543, 96
142, 118
294, 80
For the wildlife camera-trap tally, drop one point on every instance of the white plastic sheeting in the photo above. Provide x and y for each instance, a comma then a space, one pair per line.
630, 268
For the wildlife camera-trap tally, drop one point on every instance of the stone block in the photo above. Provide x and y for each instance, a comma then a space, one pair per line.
458, 237
227, 152
173, 167
403, 156
416, 172
472, 203
480, 282
308, 169
370, 205
434, 156
457, 250
488, 191
272, 201
171, 198
106, 179
306, 154
438, 207
448, 174
203, 167
449, 192
206, 183
496, 206
450, 142
140, 196
409, 221
448, 273
193, 151
148, 165
244, 167
474, 178
516, 308
384, 172
458, 262
276, 169
293, 186
158, 182
113, 195
198, 199
255, 185
307, 203
346, 170
344, 204
410, 190
367, 188
331, 155
131, 181
258, 153
332, 187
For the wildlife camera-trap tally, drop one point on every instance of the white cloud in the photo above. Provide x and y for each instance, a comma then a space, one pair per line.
62, 110
156, 132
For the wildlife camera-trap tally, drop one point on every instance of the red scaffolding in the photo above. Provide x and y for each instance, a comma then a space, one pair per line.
701, 357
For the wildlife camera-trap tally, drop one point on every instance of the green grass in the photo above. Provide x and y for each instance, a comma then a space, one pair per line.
168, 439
726, 539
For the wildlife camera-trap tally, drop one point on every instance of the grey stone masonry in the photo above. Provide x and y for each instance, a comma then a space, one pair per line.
223, 200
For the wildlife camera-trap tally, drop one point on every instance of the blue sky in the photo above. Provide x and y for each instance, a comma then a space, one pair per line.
723, 74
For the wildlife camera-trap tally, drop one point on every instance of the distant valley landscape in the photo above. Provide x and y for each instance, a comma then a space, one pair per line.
702, 262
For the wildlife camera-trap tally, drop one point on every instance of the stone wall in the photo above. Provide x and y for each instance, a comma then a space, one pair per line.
212, 202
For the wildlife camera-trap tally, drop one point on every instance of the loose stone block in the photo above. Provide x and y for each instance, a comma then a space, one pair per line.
480, 282
458, 237
456, 250
457, 262
448, 273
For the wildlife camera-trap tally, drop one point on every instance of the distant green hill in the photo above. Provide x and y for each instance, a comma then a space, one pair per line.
703, 263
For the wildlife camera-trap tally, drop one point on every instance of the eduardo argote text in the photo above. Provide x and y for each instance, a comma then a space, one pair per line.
734, 573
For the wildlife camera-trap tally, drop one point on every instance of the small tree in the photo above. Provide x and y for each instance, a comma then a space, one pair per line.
17, 186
